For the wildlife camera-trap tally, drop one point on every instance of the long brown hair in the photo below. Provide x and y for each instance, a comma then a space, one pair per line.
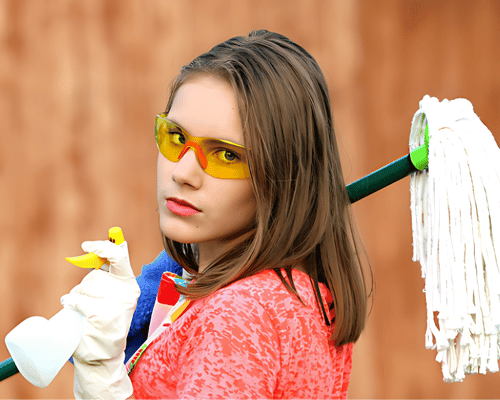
303, 210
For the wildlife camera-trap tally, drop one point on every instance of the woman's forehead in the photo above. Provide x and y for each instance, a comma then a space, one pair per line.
207, 106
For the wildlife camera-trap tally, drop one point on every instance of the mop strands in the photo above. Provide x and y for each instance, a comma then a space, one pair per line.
455, 207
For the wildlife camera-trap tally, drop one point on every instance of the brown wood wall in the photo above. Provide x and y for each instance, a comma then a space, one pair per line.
81, 82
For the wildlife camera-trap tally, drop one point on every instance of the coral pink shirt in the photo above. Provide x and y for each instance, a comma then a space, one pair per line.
252, 339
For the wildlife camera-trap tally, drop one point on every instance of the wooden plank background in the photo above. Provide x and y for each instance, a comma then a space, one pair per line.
81, 82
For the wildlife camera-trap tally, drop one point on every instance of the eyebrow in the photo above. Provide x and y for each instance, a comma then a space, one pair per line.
228, 142
210, 141
176, 123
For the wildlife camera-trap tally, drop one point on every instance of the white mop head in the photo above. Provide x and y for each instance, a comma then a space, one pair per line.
455, 208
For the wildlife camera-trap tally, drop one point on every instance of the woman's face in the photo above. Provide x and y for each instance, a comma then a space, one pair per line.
204, 106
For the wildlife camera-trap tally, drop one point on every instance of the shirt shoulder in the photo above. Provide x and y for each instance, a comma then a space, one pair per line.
267, 290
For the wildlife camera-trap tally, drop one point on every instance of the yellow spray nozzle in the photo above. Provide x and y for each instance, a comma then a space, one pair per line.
116, 235
91, 260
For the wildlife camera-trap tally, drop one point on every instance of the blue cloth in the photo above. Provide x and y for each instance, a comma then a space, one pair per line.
149, 282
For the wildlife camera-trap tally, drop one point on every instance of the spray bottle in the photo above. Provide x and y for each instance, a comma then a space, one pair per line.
40, 347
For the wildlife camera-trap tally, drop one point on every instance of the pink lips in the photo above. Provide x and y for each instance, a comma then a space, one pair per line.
181, 207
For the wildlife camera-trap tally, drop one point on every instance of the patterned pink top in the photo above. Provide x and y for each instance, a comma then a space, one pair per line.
252, 339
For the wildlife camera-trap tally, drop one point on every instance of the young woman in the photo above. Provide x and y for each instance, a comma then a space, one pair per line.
249, 176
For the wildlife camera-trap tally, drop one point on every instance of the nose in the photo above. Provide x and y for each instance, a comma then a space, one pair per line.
188, 169
198, 151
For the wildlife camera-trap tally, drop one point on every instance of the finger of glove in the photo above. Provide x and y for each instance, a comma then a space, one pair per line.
117, 255
102, 286
104, 336
68, 302
104, 331
108, 304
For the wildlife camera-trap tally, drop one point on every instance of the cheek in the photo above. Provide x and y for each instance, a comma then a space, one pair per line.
244, 200
231, 198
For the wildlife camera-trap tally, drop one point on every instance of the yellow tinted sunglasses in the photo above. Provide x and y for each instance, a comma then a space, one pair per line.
218, 158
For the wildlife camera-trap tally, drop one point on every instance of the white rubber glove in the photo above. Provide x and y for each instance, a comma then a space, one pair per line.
107, 300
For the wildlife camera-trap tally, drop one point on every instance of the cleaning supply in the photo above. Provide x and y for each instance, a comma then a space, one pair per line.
40, 347
173, 314
107, 300
455, 208
166, 298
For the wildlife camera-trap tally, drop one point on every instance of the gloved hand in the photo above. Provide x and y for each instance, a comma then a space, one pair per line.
107, 299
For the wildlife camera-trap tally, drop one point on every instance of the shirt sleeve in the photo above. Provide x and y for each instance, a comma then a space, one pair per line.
232, 351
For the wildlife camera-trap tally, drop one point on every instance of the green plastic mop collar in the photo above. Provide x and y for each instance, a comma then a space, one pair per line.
420, 156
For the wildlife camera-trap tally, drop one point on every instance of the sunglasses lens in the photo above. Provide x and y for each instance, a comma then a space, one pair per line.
169, 138
218, 158
226, 161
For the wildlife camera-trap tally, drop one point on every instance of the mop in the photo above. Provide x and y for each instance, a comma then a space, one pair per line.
455, 206
454, 164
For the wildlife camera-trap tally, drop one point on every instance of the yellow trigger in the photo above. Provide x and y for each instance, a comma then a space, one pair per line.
91, 260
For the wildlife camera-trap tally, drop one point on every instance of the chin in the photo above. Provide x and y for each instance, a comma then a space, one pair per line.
173, 232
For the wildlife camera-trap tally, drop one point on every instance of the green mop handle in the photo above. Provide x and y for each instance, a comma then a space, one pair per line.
416, 160
7, 369
381, 178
